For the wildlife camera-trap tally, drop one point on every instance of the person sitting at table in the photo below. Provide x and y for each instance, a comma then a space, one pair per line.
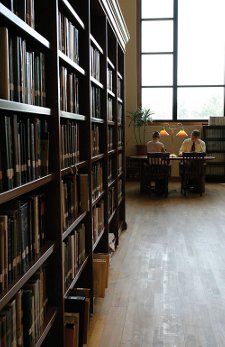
193, 144
155, 145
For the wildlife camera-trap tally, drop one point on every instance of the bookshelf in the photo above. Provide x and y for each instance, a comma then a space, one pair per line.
62, 157
214, 137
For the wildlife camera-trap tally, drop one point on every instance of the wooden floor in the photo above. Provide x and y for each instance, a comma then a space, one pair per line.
167, 278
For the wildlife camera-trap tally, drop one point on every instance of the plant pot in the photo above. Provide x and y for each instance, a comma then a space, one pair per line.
141, 149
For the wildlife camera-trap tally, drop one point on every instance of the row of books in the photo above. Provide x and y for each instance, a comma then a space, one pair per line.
210, 133
95, 102
70, 149
22, 71
109, 79
69, 91
219, 157
110, 138
73, 253
119, 88
120, 113
23, 9
68, 38
120, 137
110, 170
120, 188
216, 120
110, 109
97, 180
111, 201
98, 220
216, 146
22, 234
22, 319
24, 151
95, 63
215, 170
120, 163
75, 199
95, 148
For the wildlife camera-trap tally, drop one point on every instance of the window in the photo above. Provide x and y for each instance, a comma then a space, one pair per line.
183, 58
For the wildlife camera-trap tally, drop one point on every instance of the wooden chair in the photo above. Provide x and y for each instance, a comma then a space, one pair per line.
192, 172
157, 172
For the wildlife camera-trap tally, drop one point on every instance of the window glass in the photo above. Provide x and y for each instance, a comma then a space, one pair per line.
157, 8
200, 103
157, 70
159, 100
157, 36
201, 51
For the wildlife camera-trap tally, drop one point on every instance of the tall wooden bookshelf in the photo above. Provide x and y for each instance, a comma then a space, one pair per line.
62, 158
214, 137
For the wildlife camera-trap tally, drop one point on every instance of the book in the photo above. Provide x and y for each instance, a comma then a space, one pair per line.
76, 304
99, 277
4, 64
71, 323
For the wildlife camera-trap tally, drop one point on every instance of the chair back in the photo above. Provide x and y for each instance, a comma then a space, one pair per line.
193, 164
158, 163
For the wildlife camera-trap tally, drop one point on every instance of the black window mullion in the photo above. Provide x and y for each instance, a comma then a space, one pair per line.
175, 58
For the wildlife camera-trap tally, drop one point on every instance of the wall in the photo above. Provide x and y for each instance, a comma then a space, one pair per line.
129, 10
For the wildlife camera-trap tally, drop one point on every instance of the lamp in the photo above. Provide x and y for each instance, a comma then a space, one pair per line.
172, 128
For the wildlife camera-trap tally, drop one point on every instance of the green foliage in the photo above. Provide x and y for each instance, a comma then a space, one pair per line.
139, 119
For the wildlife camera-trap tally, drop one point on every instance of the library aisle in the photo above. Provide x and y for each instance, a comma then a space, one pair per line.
168, 275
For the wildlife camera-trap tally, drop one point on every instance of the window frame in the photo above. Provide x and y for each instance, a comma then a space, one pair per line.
174, 53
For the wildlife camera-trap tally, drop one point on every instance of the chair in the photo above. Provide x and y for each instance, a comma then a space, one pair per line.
192, 172
157, 172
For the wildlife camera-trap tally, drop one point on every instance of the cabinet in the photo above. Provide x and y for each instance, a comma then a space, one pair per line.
214, 137
62, 163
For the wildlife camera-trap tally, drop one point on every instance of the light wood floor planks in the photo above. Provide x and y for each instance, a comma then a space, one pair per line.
167, 277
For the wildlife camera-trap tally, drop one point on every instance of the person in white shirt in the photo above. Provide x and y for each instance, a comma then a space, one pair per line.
193, 144
155, 145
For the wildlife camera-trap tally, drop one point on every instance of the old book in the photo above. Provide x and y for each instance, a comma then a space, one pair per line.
84, 192
99, 277
104, 256
73, 319
76, 304
4, 63
86, 292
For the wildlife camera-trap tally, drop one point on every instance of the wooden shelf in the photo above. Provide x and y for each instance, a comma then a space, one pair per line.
97, 83
24, 27
48, 323
79, 272
71, 63
14, 106
73, 13
98, 239
97, 157
73, 225
97, 120
95, 43
100, 35
25, 188
34, 265
100, 197
110, 64
73, 169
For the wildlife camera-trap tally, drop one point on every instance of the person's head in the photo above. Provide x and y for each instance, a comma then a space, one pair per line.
195, 135
156, 135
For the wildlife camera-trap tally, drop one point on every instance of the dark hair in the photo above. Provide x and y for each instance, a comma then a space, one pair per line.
196, 133
156, 135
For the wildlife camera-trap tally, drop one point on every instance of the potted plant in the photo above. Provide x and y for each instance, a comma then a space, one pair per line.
139, 120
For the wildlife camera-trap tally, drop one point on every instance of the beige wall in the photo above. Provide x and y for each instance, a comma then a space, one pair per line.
129, 11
